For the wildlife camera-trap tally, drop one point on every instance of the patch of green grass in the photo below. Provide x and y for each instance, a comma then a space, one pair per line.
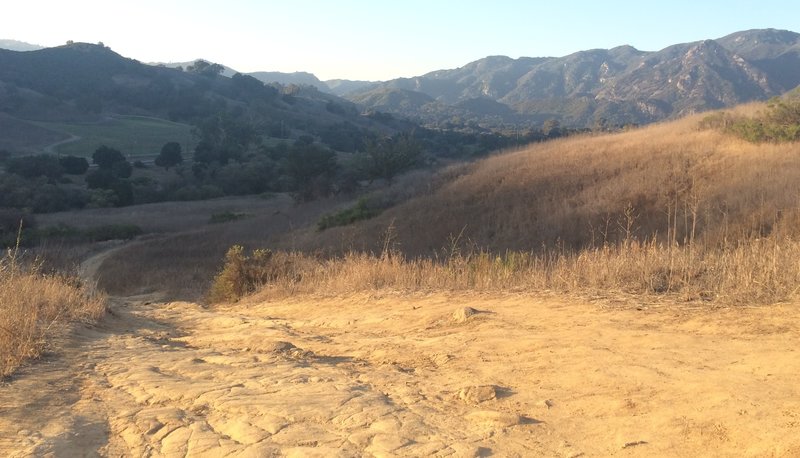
225, 217
133, 135
92, 234
360, 211
113, 232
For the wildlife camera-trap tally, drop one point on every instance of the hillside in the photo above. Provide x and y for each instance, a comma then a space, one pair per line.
574, 193
84, 82
617, 86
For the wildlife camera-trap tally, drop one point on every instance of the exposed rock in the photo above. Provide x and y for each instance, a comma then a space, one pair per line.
464, 313
478, 394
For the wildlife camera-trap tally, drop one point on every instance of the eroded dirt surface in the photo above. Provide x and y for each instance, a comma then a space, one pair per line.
438, 375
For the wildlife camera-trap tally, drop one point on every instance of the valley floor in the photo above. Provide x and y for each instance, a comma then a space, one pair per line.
414, 376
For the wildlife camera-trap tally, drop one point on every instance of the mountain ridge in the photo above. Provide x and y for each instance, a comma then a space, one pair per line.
621, 85
616, 86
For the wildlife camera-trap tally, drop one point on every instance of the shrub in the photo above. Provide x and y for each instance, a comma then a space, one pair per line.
225, 217
243, 274
74, 165
780, 123
35, 166
113, 232
15, 227
359, 212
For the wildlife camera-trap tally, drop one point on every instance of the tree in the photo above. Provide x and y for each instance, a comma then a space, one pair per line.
100, 179
551, 128
105, 157
74, 165
35, 166
311, 168
121, 169
390, 156
202, 67
170, 155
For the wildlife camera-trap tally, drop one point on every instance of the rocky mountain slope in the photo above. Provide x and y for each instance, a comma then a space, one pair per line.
615, 86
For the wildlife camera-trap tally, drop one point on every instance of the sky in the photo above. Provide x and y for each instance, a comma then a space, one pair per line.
378, 40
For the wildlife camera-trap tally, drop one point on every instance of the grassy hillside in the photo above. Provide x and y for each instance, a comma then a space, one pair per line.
23, 136
672, 180
134, 135
668, 208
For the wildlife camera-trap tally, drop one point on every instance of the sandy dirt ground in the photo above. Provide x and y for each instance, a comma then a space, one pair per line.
436, 375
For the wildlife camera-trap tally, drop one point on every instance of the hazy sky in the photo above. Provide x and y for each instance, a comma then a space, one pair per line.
378, 40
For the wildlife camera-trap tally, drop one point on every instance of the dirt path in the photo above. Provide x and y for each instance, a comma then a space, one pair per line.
51, 148
413, 376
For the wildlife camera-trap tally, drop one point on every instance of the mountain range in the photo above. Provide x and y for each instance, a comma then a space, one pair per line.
615, 86
618, 86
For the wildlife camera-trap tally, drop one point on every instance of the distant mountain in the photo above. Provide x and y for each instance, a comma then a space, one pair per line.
85, 82
298, 78
286, 79
615, 86
14, 45
344, 87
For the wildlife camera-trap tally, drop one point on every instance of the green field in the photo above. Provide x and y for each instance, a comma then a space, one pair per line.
134, 136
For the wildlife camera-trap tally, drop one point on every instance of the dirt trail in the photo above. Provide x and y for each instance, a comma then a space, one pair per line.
413, 376
51, 148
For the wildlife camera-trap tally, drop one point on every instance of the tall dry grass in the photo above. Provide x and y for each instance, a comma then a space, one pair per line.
669, 208
680, 181
34, 306
754, 271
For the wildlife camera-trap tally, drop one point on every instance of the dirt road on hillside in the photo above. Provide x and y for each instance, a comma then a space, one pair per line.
413, 376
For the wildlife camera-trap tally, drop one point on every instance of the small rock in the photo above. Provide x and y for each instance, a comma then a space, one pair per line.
633, 444
463, 314
478, 394
494, 418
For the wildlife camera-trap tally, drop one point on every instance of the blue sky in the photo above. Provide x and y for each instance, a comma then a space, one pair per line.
375, 40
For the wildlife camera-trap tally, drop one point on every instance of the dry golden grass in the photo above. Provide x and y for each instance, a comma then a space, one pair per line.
574, 192
33, 306
669, 208
182, 264
756, 271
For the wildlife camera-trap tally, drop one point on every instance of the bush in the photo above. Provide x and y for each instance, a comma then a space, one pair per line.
243, 274
74, 165
780, 123
349, 216
35, 166
113, 232
225, 217
15, 226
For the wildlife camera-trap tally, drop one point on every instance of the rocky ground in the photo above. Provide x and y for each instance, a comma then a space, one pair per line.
392, 375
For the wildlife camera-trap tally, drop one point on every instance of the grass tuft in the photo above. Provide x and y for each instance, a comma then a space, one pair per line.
33, 306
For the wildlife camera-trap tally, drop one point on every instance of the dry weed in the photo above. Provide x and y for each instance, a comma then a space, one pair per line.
33, 306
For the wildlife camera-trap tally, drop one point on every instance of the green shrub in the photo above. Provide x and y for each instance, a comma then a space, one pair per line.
60, 230
780, 123
225, 217
360, 211
15, 227
113, 232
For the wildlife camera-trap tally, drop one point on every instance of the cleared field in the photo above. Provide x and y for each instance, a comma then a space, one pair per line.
133, 135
